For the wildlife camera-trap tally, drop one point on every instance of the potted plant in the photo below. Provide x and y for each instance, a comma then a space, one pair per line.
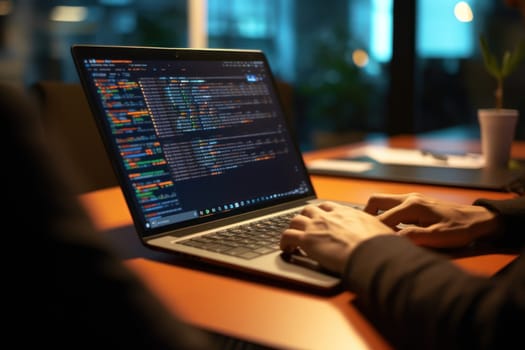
498, 124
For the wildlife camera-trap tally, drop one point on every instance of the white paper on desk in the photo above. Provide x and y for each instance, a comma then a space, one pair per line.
340, 165
401, 156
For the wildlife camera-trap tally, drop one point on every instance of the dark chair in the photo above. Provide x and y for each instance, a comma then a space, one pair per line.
67, 118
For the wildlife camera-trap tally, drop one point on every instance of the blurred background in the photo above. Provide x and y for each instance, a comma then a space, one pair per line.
348, 70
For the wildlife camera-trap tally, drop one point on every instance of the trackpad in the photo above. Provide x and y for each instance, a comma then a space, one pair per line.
299, 258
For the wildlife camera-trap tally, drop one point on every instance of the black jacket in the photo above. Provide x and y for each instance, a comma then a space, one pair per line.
421, 300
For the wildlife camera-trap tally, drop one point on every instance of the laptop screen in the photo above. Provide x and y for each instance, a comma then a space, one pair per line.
194, 136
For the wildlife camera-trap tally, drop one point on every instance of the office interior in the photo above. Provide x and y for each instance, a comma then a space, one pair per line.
348, 70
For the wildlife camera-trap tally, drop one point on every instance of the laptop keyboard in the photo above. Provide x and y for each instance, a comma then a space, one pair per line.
245, 241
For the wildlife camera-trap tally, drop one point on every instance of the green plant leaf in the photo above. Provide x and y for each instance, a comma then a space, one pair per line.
506, 64
515, 58
491, 63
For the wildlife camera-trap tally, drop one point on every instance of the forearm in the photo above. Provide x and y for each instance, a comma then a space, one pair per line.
422, 300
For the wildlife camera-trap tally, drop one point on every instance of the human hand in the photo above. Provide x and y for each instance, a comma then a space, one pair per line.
431, 222
329, 232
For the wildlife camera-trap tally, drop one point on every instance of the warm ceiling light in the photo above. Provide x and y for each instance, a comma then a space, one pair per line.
360, 58
68, 13
463, 12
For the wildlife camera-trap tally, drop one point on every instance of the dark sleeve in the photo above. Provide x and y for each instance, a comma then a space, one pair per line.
512, 211
63, 286
421, 300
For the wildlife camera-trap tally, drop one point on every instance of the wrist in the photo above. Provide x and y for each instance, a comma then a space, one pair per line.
490, 224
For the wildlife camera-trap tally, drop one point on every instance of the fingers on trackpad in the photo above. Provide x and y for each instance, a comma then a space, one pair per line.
298, 257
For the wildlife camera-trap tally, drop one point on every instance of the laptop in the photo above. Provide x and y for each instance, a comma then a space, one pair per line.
203, 153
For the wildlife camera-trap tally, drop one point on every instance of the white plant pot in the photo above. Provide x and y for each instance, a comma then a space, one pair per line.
497, 129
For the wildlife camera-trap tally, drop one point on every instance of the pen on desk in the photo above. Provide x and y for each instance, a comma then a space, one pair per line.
438, 156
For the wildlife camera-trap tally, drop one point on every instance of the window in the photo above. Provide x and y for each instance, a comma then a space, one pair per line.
344, 70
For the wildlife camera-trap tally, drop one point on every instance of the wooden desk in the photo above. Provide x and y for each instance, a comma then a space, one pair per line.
269, 314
